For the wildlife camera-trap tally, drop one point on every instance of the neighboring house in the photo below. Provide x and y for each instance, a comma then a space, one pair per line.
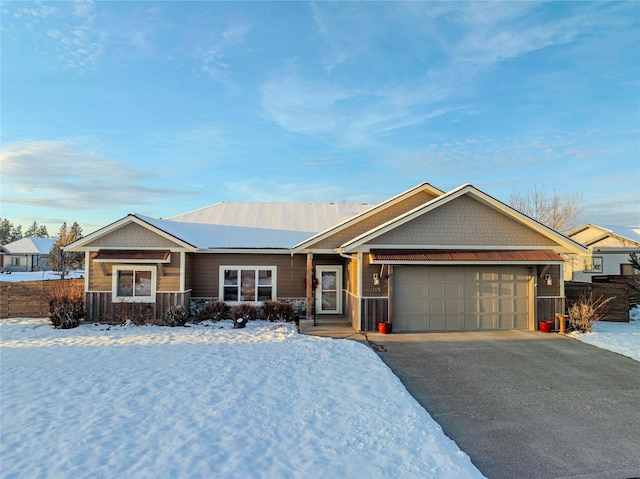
425, 260
27, 254
609, 249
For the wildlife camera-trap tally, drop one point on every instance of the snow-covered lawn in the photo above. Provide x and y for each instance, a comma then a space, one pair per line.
208, 401
18, 277
621, 338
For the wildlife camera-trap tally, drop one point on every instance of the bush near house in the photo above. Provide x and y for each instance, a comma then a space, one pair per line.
277, 311
214, 311
66, 305
176, 316
587, 310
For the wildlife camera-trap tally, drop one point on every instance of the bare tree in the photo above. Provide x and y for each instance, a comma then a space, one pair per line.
64, 261
551, 208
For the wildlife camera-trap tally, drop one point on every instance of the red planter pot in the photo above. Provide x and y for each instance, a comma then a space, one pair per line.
545, 326
384, 328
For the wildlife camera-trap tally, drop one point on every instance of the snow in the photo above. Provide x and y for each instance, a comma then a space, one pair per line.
621, 338
206, 236
287, 216
31, 245
17, 276
208, 401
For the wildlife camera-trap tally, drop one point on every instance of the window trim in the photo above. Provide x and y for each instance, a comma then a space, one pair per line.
588, 265
256, 269
133, 299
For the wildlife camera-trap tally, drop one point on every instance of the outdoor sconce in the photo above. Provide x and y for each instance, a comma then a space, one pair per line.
376, 279
548, 280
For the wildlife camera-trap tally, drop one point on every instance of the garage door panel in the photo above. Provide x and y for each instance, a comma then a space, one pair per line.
436, 322
436, 306
458, 298
451, 290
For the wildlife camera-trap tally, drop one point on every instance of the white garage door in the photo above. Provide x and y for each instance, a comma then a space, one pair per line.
460, 298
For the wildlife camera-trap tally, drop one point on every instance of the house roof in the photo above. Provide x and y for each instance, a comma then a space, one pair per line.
452, 195
287, 216
213, 236
31, 245
628, 233
520, 256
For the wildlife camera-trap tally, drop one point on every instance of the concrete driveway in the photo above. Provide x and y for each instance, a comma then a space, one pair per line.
525, 404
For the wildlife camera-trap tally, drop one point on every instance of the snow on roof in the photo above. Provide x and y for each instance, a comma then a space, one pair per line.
285, 216
207, 236
31, 245
630, 233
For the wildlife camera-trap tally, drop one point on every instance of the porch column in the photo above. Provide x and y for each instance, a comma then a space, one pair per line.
309, 292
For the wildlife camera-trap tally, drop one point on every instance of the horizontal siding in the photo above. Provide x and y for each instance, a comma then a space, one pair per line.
168, 281
291, 271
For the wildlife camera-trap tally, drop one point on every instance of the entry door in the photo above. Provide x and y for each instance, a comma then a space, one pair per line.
329, 290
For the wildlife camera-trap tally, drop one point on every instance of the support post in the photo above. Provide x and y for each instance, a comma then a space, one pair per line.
309, 292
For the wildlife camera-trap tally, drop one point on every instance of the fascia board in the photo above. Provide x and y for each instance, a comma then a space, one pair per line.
131, 218
402, 219
483, 198
80, 243
366, 214
243, 251
464, 263
532, 223
369, 246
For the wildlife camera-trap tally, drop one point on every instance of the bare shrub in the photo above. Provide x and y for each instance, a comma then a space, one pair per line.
245, 311
586, 311
277, 311
66, 305
215, 311
138, 313
176, 316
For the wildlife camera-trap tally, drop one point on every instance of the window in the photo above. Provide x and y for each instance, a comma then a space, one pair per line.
593, 265
15, 261
628, 270
247, 283
134, 283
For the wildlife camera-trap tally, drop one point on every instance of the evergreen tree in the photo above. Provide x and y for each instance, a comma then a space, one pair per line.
8, 232
39, 231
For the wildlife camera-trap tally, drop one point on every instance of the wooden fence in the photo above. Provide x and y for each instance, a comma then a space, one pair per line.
616, 310
30, 299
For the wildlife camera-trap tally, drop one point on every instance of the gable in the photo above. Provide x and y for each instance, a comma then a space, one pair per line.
132, 235
588, 234
366, 224
463, 221
612, 242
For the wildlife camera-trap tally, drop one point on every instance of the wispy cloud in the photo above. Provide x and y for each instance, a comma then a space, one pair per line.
67, 31
69, 175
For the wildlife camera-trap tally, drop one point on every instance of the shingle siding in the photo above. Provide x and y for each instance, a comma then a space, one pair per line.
463, 221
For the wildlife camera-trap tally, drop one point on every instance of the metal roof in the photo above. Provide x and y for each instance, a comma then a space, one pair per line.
392, 255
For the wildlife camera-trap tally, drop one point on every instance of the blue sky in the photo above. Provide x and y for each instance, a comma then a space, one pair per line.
163, 107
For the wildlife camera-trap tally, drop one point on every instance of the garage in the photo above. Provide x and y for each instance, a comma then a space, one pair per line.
461, 298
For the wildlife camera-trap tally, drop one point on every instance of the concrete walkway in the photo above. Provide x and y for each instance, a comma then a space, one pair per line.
521, 404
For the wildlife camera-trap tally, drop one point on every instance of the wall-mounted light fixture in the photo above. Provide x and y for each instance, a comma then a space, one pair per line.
548, 280
376, 279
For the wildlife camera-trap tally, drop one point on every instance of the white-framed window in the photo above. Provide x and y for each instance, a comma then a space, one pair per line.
134, 283
593, 264
15, 261
247, 283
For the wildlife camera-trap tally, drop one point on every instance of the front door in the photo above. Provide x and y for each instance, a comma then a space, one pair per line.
329, 290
